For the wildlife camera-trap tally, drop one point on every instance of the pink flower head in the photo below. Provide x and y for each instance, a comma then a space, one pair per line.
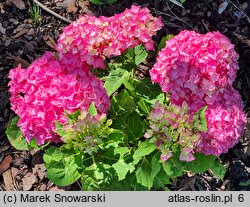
41, 93
193, 65
225, 120
91, 39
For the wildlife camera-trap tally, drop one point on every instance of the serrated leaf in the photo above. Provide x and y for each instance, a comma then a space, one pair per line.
145, 148
161, 180
62, 168
143, 174
218, 169
17, 139
173, 166
146, 89
201, 163
122, 168
115, 79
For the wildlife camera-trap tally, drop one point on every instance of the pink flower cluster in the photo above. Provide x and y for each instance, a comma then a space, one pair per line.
41, 93
200, 69
91, 39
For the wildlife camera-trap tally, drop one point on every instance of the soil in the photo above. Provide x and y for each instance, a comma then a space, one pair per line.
22, 41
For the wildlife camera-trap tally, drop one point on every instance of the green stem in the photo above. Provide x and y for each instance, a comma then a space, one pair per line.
134, 68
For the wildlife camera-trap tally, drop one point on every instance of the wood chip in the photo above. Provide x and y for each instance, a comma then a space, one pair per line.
18, 3
4, 148
2, 29
5, 164
8, 180
22, 32
28, 181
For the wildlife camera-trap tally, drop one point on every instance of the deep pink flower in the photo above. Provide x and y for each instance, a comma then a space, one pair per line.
199, 70
41, 93
193, 66
91, 39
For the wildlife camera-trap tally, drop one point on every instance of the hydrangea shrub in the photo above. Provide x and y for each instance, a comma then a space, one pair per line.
144, 135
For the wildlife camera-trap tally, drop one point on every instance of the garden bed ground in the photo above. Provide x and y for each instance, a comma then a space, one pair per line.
22, 42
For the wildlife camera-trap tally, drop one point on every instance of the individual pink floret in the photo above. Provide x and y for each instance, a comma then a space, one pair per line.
42, 93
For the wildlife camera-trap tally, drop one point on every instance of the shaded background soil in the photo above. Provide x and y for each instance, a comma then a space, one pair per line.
22, 41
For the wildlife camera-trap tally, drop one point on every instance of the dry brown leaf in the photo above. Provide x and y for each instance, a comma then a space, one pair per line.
28, 180
40, 170
5, 164
18, 3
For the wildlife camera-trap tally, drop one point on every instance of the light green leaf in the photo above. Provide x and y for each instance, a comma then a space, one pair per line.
115, 79
59, 129
63, 168
92, 109
122, 151
140, 54
122, 168
200, 121
176, 2
17, 139
145, 148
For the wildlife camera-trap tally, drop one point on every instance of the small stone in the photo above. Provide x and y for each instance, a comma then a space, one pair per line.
209, 13
7, 43
15, 22
2, 29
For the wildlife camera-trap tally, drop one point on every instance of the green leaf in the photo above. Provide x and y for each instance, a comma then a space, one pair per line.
133, 126
59, 129
161, 180
200, 121
115, 79
73, 117
17, 139
146, 89
122, 168
245, 184
143, 173
140, 54
100, 2
92, 109
145, 148
122, 104
155, 165
201, 163
63, 167
122, 151
162, 43
173, 166
218, 169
